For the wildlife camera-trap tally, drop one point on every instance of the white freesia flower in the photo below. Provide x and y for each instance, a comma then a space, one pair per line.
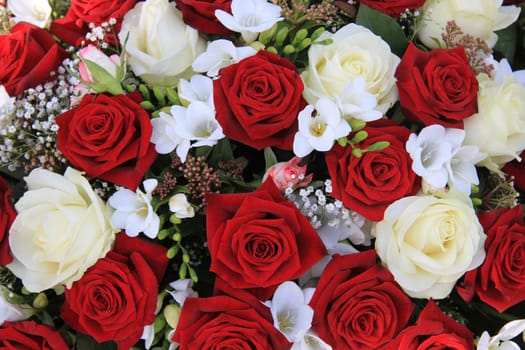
179, 205
290, 310
62, 228
220, 54
319, 131
13, 312
182, 289
133, 211
196, 126
148, 31
199, 88
480, 18
250, 17
148, 335
439, 157
310, 341
356, 102
164, 134
428, 243
355, 52
498, 129
37, 12
502, 340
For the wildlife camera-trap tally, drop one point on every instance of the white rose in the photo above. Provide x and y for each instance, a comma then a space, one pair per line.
37, 12
479, 18
498, 129
62, 228
160, 47
428, 243
355, 52
7, 104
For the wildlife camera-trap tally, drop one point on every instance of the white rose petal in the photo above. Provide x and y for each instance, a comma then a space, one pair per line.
480, 18
355, 53
428, 243
153, 54
62, 228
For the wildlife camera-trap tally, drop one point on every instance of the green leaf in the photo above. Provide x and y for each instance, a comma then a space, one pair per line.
269, 157
221, 151
506, 44
384, 26
103, 80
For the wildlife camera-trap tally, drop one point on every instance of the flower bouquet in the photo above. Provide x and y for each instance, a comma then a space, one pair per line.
252, 174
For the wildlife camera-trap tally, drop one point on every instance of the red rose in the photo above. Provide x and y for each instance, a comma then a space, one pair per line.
433, 330
200, 14
7, 216
370, 183
116, 298
27, 57
258, 240
357, 304
29, 335
108, 137
393, 8
437, 87
72, 28
500, 280
517, 171
232, 320
258, 99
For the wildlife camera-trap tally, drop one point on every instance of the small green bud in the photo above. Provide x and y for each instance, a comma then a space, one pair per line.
40, 302
357, 124
288, 49
147, 105
304, 44
24, 291
257, 45
378, 146
171, 314
342, 141
357, 152
159, 323
317, 33
193, 275
128, 87
268, 34
183, 271
477, 202
324, 42
272, 50
359, 136
281, 36
163, 234
144, 91
172, 96
174, 219
185, 258
177, 237
299, 36
160, 95
172, 252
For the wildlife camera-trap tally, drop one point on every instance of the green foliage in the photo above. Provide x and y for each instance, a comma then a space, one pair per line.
507, 41
384, 26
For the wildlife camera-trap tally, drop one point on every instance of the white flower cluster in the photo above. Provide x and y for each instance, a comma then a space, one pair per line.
28, 128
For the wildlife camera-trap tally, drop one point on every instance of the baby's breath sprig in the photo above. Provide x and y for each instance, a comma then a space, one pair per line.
475, 48
28, 135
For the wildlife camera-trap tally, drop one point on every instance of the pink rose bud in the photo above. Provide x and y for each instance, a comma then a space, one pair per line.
110, 64
288, 174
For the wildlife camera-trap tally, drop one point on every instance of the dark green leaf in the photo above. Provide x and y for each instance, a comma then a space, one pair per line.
506, 44
384, 26
85, 342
